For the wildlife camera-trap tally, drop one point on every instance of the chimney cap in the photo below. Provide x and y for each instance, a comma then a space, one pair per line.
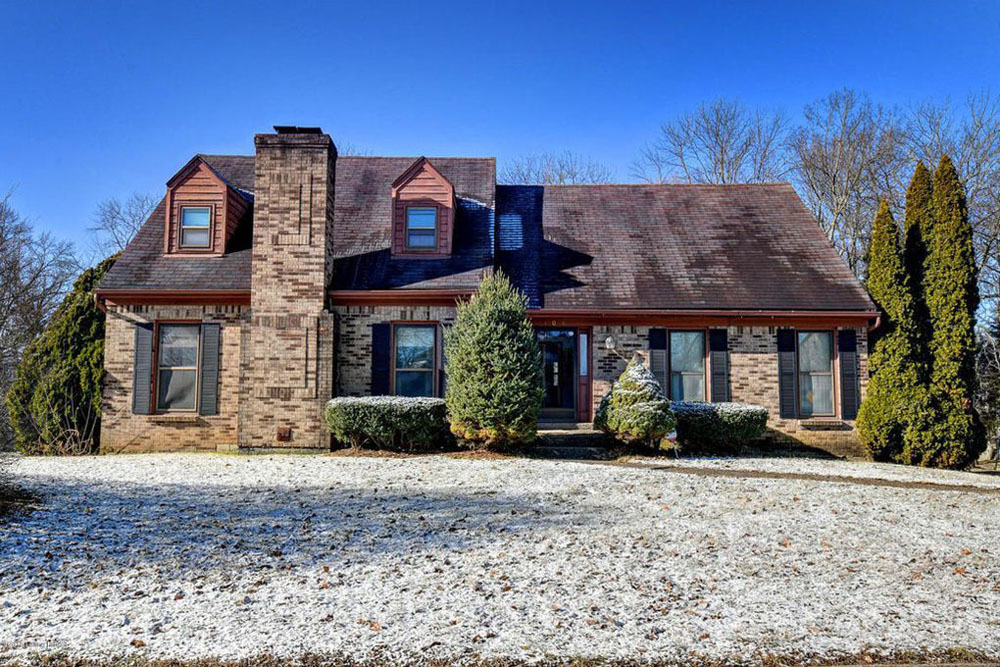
295, 129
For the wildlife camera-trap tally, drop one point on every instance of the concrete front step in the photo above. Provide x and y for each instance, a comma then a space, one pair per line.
570, 444
565, 426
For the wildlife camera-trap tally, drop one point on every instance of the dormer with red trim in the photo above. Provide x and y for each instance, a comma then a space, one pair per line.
423, 212
202, 211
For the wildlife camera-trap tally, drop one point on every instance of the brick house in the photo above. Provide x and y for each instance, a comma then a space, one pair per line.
263, 285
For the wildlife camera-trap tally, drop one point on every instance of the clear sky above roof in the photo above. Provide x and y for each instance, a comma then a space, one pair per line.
102, 99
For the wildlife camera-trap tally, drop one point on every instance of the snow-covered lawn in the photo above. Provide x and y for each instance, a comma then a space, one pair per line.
201, 555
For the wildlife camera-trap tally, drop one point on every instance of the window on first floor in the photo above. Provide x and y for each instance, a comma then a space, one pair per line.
815, 369
687, 365
177, 366
414, 359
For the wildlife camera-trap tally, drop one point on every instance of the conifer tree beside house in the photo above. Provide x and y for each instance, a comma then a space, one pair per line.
918, 227
952, 295
894, 385
55, 401
493, 367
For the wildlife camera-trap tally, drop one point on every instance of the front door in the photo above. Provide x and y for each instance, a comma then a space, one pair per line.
559, 362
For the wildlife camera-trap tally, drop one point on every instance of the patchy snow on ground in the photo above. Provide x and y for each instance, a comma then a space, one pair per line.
230, 556
830, 467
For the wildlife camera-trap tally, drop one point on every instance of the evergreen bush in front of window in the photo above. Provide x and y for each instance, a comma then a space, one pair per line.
493, 366
636, 411
398, 423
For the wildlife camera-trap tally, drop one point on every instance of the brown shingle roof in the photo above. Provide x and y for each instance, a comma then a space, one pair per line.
752, 247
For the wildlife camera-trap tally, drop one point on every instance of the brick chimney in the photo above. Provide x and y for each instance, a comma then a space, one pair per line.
290, 366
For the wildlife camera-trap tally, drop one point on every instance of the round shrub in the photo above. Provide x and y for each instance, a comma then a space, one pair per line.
389, 422
494, 368
635, 411
718, 427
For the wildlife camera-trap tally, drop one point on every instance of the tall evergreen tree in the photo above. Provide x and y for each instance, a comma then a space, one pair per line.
886, 412
952, 299
918, 227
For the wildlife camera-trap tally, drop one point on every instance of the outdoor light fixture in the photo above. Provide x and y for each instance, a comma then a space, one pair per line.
609, 343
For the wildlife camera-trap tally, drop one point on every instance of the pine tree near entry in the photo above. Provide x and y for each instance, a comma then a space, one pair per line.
894, 364
494, 368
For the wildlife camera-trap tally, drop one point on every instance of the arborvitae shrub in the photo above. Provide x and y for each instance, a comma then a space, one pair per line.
55, 401
894, 362
635, 411
494, 368
918, 226
952, 295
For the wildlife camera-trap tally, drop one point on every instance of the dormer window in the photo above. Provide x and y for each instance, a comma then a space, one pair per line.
421, 228
423, 212
196, 223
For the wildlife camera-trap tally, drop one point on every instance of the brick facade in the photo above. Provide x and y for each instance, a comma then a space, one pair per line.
123, 431
354, 339
753, 378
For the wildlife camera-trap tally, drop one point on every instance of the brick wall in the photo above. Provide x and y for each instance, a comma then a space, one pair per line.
122, 431
753, 359
354, 339
291, 337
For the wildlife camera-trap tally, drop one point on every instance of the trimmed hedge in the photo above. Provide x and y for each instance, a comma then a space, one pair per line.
389, 422
635, 410
718, 426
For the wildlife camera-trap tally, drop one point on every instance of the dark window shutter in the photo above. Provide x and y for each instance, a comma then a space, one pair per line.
209, 401
786, 373
718, 350
847, 347
657, 339
658, 356
442, 376
142, 369
381, 358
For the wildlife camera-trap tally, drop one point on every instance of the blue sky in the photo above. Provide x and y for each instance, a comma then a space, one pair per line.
104, 99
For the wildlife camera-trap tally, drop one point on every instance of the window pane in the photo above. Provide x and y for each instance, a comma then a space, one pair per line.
194, 238
815, 394
687, 351
195, 217
415, 347
177, 390
584, 354
815, 352
420, 239
687, 386
414, 383
421, 218
178, 345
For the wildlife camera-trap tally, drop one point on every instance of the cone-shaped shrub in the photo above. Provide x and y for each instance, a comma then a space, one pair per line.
494, 368
55, 401
894, 362
635, 411
952, 299
918, 227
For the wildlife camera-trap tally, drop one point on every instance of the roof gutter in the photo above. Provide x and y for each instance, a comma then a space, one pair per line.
171, 297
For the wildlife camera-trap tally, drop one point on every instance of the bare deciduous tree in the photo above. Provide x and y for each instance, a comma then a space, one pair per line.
35, 270
970, 135
847, 154
116, 222
555, 169
719, 142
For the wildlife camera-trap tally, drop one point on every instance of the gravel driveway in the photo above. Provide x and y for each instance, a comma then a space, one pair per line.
229, 556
